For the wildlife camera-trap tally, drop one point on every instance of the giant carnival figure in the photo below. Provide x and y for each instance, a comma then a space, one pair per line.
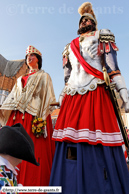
89, 157
29, 104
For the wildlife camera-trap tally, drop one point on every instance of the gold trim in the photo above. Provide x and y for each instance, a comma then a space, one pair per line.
82, 90
92, 86
106, 76
107, 38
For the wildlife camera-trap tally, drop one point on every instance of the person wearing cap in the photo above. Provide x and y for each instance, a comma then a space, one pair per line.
89, 156
10, 156
29, 104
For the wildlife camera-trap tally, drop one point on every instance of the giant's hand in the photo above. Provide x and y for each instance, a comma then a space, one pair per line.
121, 88
61, 97
124, 95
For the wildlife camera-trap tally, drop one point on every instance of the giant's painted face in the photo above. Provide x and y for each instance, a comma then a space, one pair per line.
32, 60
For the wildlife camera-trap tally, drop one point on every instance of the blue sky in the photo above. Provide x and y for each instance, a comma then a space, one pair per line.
50, 25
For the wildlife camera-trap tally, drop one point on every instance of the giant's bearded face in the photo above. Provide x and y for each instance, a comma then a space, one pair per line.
86, 25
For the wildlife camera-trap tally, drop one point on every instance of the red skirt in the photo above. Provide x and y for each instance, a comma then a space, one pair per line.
31, 175
88, 118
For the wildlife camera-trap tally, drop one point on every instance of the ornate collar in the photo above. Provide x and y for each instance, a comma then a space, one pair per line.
33, 70
81, 38
30, 72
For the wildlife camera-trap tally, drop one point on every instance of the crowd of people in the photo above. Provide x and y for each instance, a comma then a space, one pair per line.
83, 153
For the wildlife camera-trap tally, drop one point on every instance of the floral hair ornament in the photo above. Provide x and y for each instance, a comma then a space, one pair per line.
31, 49
39, 127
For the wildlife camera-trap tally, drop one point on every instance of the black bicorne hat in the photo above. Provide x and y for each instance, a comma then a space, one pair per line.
16, 142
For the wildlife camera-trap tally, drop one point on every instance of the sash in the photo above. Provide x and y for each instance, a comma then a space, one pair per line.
89, 69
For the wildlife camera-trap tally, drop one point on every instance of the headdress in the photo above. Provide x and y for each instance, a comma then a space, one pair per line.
31, 49
85, 10
16, 142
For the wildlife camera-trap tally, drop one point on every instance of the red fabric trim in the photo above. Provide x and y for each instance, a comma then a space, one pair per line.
107, 47
65, 60
68, 140
89, 69
101, 48
114, 46
126, 155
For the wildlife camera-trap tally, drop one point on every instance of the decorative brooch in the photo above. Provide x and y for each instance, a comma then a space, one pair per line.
38, 127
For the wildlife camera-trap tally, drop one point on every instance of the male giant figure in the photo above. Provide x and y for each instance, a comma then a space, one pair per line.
89, 157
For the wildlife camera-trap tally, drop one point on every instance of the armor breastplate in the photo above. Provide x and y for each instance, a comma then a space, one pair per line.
79, 80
